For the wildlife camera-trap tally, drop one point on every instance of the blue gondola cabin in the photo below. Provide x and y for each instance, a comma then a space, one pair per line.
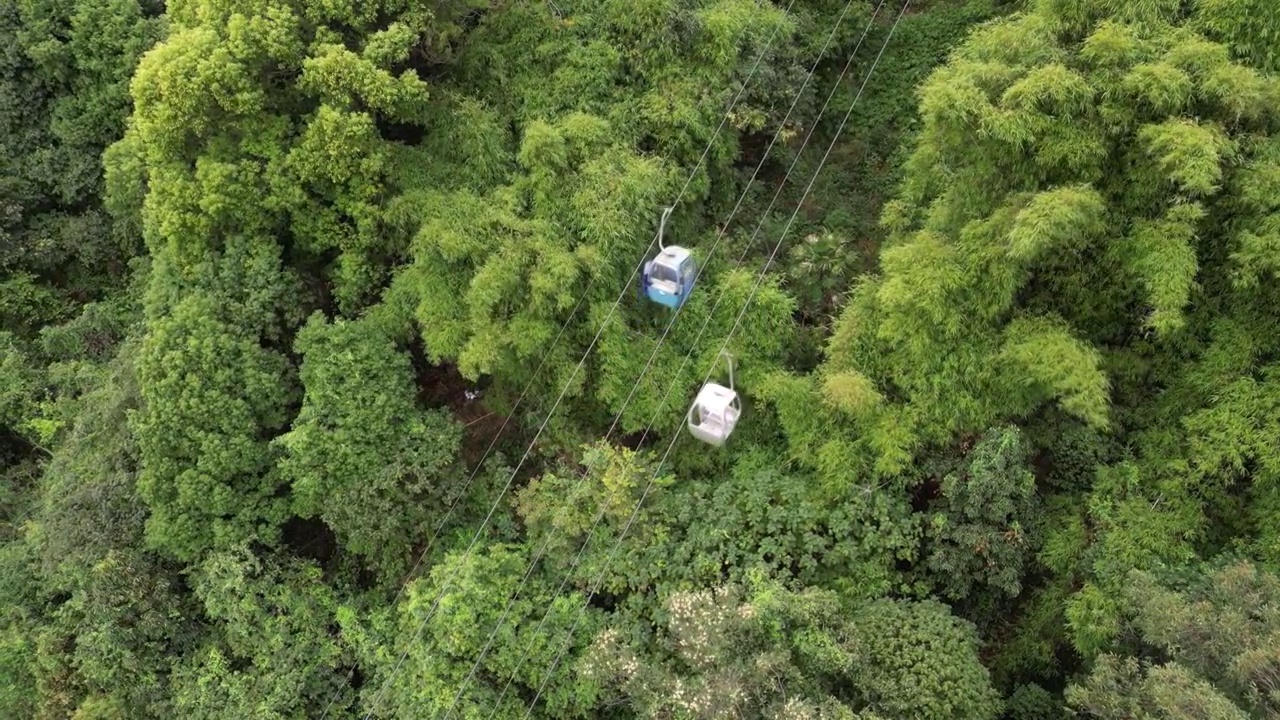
668, 278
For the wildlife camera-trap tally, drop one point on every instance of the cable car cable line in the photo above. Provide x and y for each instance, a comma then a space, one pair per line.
676, 436
723, 229
591, 531
604, 323
528, 385
466, 486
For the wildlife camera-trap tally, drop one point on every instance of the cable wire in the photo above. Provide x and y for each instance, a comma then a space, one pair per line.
466, 486
706, 321
721, 233
635, 386
568, 383
658, 469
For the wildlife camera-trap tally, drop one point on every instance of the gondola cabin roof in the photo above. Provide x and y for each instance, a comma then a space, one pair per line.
673, 256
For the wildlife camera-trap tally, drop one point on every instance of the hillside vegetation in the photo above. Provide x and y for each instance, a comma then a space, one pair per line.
326, 390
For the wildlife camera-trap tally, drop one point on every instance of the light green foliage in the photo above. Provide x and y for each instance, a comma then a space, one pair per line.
439, 658
764, 519
328, 184
1013, 251
1057, 219
208, 391
1053, 364
1247, 26
767, 652
361, 455
1122, 688
1092, 618
472, 319
274, 657
343, 78
1257, 215
612, 107
1163, 257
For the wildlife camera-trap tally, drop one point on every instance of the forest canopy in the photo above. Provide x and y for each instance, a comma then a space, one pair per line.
333, 382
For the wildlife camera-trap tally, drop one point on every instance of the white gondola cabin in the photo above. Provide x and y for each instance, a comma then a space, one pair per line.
715, 412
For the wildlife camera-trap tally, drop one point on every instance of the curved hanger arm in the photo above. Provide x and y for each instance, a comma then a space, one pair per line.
662, 226
729, 360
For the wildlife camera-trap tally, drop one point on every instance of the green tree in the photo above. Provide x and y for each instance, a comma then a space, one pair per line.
362, 455
920, 661
1032, 702
979, 533
1083, 231
612, 107
209, 390
1123, 688
769, 652
689, 532
444, 623
63, 98
1198, 641
272, 655
23, 384
732, 652
20, 605
106, 618
1054, 397
257, 135
126, 624
1223, 626
1017, 245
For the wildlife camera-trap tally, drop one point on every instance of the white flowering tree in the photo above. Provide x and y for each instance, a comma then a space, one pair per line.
770, 653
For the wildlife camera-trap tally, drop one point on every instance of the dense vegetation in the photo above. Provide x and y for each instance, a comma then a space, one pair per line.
325, 390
